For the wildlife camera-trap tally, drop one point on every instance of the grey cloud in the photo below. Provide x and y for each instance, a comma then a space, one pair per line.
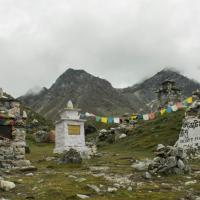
122, 41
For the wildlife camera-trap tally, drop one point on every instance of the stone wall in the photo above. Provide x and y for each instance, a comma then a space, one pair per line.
12, 152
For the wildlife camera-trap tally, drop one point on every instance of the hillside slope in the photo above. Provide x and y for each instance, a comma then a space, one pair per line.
148, 134
53, 180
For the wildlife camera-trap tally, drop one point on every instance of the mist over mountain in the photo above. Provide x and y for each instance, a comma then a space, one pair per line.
96, 95
145, 91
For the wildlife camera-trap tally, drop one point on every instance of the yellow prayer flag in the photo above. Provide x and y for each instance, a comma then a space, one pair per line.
133, 117
162, 111
189, 100
104, 120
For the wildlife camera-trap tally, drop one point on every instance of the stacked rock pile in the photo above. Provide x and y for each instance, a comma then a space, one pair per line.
71, 156
169, 160
12, 153
114, 134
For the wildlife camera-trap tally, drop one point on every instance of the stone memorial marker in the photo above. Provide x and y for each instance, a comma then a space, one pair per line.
190, 133
70, 131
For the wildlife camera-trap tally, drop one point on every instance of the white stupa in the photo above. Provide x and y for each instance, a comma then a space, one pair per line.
70, 131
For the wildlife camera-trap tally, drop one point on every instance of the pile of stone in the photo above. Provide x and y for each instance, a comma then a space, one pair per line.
169, 160
12, 133
92, 149
70, 157
43, 136
12, 152
114, 134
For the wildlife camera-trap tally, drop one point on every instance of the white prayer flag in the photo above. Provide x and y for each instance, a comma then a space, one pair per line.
174, 108
116, 120
146, 117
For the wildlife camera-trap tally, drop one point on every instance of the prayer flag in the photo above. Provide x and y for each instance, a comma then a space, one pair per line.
104, 120
179, 105
152, 116
139, 116
89, 114
133, 117
169, 109
189, 100
110, 120
116, 120
162, 111
146, 117
174, 108
185, 103
98, 119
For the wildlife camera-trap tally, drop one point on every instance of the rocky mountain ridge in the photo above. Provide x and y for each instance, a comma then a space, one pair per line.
96, 95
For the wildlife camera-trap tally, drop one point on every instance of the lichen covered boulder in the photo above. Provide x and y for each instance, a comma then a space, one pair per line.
71, 156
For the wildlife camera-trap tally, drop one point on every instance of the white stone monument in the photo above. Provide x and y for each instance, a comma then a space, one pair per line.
189, 136
70, 131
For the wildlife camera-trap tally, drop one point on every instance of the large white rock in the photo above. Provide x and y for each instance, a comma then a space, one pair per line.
123, 135
7, 185
141, 165
82, 196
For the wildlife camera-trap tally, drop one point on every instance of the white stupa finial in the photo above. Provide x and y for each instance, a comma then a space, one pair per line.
70, 105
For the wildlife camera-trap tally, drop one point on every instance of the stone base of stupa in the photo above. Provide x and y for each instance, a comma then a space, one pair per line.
81, 149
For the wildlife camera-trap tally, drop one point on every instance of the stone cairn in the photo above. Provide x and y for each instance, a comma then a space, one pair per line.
12, 133
114, 134
169, 160
12, 153
70, 157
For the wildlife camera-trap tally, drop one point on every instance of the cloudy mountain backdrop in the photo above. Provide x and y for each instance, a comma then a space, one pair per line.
96, 95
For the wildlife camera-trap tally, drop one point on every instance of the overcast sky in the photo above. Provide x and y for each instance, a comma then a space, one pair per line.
123, 41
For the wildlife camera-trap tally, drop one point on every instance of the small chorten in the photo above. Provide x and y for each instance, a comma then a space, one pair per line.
70, 132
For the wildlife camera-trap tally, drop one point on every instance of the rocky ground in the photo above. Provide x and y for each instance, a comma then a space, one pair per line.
110, 174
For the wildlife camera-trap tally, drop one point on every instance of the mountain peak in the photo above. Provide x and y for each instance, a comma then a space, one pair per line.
169, 70
72, 71
96, 95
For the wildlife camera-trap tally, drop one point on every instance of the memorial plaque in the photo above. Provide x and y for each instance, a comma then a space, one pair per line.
74, 129
190, 133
